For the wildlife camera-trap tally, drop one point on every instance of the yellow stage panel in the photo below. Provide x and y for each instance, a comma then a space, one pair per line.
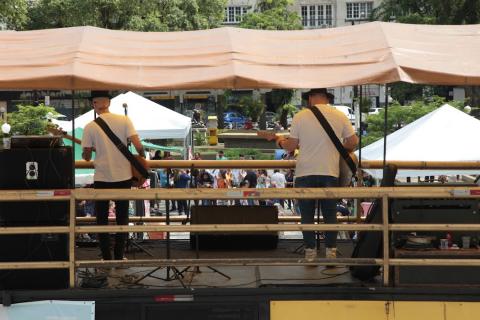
374, 310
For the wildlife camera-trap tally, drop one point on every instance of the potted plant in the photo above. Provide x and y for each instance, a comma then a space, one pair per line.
30, 120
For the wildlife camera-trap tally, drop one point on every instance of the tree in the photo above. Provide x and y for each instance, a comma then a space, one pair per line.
13, 13
274, 15
429, 11
399, 116
137, 15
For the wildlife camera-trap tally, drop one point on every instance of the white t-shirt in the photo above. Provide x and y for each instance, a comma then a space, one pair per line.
110, 164
278, 180
318, 155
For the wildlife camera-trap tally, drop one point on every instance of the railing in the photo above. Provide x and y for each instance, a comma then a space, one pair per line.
383, 193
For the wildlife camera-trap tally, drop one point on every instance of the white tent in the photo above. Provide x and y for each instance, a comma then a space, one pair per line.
445, 134
151, 120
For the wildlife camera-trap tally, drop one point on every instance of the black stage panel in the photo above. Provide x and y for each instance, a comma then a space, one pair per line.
235, 215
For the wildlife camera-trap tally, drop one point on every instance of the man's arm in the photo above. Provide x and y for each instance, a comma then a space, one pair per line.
351, 143
289, 144
138, 145
87, 154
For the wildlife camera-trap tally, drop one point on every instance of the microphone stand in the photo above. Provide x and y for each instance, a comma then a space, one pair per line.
139, 204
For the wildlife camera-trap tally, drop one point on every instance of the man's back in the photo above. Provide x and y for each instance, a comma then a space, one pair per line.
318, 155
110, 164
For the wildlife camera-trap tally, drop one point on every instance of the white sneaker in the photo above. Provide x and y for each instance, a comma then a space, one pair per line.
330, 253
310, 254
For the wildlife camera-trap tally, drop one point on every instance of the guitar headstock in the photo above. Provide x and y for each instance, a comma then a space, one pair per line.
56, 131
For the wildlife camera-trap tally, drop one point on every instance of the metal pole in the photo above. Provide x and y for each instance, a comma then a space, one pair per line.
360, 129
385, 128
73, 135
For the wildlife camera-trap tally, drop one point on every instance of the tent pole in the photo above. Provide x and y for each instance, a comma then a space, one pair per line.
360, 129
385, 128
73, 135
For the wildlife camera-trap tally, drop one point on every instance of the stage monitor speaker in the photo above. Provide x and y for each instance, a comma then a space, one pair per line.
235, 215
421, 211
37, 168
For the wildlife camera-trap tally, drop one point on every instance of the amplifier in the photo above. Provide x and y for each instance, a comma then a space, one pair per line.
234, 215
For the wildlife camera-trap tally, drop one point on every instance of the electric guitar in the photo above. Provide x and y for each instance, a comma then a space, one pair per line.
137, 178
346, 174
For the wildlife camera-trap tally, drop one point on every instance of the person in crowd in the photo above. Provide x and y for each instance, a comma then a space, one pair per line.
318, 162
277, 180
182, 181
251, 177
289, 177
238, 174
112, 168
243, 202
205, 180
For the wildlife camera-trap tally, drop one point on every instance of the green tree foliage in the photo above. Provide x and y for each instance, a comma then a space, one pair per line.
429, 11
253, 107
399, 116
272, 15
30, 120
13, 13
137, 15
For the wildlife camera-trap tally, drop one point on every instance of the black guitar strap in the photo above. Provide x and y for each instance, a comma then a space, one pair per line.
121, 147
328, 129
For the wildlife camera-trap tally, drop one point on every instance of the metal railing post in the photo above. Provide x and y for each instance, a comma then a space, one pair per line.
71, 241
386, 249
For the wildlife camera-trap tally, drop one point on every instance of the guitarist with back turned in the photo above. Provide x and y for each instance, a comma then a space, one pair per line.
112, 168
318, 161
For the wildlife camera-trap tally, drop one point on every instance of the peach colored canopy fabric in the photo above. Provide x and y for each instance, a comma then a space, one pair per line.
93, 58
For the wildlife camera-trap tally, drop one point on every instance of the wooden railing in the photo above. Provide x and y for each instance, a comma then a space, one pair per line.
385, 194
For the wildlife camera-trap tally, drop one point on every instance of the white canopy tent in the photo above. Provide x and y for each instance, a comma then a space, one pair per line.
151, 120
445, 134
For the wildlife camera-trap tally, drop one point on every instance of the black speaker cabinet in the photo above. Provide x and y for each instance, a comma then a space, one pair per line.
421, 211
437, 275
35, 168
235, 215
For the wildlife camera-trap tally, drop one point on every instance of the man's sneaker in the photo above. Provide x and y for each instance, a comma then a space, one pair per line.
310, 254
122, 266
331, 253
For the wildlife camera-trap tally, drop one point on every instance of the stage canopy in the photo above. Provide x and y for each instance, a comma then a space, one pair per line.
151, 120
445, 134
378, 52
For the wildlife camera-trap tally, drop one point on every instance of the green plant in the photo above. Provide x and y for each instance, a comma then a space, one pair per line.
234, 153
199, 139
253, 107
30, 120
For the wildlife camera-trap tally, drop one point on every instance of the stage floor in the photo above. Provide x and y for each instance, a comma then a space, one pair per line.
241, 276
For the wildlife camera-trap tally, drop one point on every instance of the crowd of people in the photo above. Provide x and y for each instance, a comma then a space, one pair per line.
223, 179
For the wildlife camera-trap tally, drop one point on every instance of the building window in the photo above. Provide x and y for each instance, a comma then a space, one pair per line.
313, 16
235, 14
328, 15
317, 16
304, 16
359, 10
